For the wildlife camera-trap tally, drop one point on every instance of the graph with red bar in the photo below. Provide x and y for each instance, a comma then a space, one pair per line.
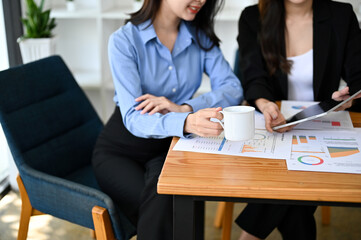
327, 122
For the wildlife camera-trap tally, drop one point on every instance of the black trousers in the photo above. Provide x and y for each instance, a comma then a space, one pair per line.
127, 169
295, 222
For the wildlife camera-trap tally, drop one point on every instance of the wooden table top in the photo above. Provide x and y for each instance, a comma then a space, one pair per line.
215, 175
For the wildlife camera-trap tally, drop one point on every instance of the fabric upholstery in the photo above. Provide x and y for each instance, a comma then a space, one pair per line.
51, 129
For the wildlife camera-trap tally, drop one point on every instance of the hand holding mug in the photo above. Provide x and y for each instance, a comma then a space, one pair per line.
238, 123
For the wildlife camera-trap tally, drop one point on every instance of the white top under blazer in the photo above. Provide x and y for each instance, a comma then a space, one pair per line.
300, 80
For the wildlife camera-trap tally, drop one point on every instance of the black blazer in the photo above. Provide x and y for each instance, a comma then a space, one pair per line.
336, 53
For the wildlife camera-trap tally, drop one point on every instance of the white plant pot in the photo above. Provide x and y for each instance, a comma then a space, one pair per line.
36, 48
137, 5
70, 6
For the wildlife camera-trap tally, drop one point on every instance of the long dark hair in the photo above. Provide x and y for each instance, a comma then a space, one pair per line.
272, 35
204, 20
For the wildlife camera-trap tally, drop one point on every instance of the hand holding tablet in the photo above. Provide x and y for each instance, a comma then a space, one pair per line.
316, 111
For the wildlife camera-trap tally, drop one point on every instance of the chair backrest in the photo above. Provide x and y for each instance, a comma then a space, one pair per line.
46, 116
236, 67
51, 129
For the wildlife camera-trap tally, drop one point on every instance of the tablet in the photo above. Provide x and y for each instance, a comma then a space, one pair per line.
315, 111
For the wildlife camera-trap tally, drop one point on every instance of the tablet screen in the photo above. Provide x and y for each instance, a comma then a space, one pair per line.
316, 111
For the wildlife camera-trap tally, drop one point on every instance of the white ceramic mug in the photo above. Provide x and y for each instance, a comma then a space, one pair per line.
238, 123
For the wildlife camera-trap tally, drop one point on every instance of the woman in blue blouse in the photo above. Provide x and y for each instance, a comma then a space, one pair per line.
157, 61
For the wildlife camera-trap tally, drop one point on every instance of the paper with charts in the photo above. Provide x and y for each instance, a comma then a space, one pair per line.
263, 145
326, 151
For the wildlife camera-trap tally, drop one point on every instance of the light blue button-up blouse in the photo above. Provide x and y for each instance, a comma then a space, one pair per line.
141, 64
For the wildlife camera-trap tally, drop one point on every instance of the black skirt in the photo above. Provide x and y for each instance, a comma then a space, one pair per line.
115, 137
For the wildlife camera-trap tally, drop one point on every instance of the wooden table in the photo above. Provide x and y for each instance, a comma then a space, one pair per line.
193, 178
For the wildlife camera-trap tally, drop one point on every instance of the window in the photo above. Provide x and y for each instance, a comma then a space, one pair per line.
4, 64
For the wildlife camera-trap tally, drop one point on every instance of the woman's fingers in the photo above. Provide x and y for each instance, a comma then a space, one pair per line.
144, 97
155, 110
341, 94
142, 105
268, 120
147, 108
200, 123
152, 104
345, 106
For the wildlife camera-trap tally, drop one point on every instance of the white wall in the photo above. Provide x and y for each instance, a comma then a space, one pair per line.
4, 62
355, 3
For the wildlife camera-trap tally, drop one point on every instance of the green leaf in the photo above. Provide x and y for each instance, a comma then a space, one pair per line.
37, 22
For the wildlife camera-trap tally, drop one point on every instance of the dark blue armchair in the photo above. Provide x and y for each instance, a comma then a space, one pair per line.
51, 129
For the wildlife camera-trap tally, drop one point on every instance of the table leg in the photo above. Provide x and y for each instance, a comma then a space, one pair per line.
188, 218
199, 219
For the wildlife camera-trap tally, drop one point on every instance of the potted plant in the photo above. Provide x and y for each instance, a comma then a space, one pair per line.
38, 41
70, 5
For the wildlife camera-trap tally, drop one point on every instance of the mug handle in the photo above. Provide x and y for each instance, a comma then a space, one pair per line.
219, 121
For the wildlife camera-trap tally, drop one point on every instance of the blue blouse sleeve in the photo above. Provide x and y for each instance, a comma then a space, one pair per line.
127, 84
226, 87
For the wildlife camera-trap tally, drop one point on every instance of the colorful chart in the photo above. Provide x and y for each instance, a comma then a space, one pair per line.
222, 144
299, 107
303, 139
336, 152
339, 139
259, 136
248, 148
310, 160
327, 122
335, 124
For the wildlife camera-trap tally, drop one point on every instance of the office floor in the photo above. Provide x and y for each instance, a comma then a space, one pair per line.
345, 224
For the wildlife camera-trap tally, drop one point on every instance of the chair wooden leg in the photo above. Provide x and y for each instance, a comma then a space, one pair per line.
326, 215
218, 219
92, 234
26, 211
227, 221
102, 225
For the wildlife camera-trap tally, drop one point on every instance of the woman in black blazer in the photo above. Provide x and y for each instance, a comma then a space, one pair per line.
295, 50
336, 51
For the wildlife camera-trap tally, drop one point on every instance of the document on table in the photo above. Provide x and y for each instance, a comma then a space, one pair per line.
333, 120
326, 151
263, 145
259, 121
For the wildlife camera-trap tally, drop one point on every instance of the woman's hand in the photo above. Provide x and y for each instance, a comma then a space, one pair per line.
199, 122
272, 115
342, 95
152, 104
